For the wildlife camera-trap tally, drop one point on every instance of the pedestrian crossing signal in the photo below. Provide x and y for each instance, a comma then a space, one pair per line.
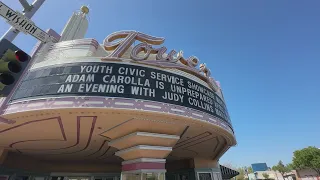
13, 61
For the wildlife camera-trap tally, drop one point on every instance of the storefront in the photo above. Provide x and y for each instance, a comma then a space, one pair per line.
16, 175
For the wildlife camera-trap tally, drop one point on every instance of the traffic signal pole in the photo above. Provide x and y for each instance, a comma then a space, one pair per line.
29, 11
13, 62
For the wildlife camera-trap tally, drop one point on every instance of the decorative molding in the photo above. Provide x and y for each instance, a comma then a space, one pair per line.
91, 102
144, 160
73, 43
146, 134
143, 147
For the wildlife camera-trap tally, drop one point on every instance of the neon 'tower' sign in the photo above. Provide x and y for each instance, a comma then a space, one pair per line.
127, 38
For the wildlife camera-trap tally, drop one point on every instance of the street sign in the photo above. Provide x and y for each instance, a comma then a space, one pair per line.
23, 24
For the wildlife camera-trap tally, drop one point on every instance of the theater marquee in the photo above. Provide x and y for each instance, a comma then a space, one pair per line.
120, 80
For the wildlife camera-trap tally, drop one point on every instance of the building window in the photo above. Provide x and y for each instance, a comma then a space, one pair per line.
205, 176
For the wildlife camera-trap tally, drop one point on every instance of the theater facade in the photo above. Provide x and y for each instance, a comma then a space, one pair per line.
125, 109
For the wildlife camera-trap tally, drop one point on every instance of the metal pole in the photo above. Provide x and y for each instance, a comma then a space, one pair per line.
12, 33
25, 5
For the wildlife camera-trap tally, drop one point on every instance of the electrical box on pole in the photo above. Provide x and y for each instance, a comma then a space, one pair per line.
13, 62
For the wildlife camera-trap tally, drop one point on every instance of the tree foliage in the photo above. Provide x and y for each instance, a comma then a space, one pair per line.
242, 173
265, 175
281, 168
249, 169
290, 166
307, 158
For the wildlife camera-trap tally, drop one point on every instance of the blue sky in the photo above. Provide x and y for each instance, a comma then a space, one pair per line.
266, 54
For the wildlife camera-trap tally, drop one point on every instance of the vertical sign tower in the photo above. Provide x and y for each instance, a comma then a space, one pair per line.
77, 25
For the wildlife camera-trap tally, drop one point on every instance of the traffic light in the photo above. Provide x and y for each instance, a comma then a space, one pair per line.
13, 61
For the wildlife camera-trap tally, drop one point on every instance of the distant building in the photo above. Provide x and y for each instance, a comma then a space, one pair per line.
259, 167
274, 175
307, 174
301, 174
257, 175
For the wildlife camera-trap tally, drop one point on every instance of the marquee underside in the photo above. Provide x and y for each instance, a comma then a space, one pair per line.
87, 133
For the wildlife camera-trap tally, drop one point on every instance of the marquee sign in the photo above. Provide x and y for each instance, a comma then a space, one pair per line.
108, 79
